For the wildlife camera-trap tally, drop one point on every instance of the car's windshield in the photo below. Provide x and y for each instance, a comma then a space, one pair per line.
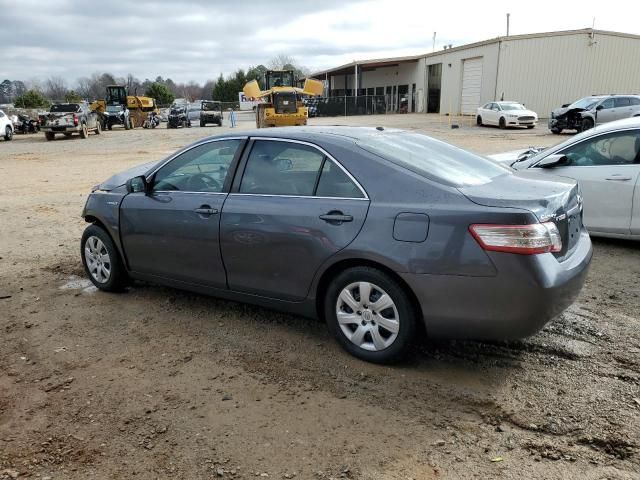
586, 103
511, 106
65, 107
210, 106
433, 159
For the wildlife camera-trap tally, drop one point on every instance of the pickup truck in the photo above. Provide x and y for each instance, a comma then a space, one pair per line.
69, 118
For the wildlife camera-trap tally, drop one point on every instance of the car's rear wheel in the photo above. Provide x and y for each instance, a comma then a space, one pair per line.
84, 132
101, 260
202, 124
479, 120
8, 133
502, 123
49, 136
586, 124
370, 314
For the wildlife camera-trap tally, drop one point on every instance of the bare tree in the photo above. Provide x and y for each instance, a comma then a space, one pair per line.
55, 88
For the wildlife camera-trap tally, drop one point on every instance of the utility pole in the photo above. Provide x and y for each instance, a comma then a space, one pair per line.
508, 15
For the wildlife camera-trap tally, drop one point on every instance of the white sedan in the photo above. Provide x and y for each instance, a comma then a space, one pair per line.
506, 114
606, 163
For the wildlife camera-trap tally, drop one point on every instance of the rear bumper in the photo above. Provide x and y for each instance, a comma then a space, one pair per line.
62, 129
527, 292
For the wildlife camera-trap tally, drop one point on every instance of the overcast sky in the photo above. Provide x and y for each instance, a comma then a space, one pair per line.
199, 39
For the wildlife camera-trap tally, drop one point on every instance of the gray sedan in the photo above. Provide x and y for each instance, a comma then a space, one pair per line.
379, 232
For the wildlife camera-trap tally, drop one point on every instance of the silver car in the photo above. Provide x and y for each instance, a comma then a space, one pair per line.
595, 110
606, 163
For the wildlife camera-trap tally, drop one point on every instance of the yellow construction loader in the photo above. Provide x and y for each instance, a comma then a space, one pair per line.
281, 103
119, 108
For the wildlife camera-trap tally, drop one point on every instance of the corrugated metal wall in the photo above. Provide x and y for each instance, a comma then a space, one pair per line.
452, 66
546, 72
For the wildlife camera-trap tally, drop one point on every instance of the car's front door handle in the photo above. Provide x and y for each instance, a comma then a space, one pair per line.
206, 210
336, 217
618, 178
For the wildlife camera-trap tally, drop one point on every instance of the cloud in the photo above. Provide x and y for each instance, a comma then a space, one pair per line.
199, 39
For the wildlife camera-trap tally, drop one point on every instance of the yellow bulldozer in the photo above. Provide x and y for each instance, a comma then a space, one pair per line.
119, 108
281, 103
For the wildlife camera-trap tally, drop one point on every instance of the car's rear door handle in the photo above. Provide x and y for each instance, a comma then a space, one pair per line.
336, 217
618, 178
206, 210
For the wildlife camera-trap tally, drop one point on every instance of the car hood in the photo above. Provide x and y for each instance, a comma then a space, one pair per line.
559, 112
121, 178
545, 197
521, 113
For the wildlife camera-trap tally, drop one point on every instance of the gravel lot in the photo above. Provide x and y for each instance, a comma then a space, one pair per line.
157, 383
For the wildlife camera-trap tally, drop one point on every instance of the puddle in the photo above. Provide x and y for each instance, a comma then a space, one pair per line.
78, 283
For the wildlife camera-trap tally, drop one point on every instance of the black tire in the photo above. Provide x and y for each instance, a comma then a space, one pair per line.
84, 132
98, 129
118, 278
479, 120
110, 127
407, 320
49, 136
586, 124
502, 123
8, 133
556, 131
202, 124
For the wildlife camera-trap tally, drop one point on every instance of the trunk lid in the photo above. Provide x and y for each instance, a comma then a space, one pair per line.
556, 200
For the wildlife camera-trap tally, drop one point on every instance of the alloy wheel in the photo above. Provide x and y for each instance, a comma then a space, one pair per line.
367, 316
97, 258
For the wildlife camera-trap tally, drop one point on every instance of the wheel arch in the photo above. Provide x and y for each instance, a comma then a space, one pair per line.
95, 220
340, 266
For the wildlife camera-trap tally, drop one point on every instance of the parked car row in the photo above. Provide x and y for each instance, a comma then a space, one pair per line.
580, 115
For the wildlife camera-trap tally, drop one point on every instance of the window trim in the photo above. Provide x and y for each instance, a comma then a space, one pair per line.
235, 189
226, 188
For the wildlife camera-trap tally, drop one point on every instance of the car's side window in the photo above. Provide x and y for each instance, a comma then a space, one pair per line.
281, 168
621, 102
334, 182
634, 101
496, 107
619, 148
201, 169
1, 115
608, 103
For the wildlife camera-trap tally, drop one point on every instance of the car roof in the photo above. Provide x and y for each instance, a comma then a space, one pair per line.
317, 132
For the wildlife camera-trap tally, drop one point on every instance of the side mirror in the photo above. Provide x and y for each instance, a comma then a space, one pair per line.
555, 160
599, 107
137, 184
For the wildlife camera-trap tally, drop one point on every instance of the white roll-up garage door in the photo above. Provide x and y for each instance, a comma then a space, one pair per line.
471, 85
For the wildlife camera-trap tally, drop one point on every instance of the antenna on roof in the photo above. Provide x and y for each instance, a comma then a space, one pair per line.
508, 15
434, 41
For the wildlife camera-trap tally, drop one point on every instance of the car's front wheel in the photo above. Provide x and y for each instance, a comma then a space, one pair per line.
556, 131
502, 123
479, 120
586, 124
101, 260
370, 314
8, 133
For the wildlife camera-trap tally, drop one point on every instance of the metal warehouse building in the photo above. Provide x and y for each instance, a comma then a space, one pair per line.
543, 71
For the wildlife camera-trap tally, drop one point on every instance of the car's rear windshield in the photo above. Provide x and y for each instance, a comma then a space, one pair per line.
433, 159
65, 107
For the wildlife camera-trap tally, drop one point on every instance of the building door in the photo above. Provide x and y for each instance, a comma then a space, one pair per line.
434, 79
403, 98
471, 85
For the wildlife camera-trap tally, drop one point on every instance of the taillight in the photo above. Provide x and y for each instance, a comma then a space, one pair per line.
75, 119
522, 239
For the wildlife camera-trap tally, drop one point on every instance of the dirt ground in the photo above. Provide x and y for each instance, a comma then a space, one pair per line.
157, 383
